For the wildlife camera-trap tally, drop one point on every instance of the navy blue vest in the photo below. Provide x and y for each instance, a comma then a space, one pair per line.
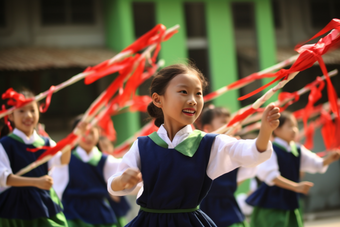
26, 202
86, 197
274, 197
171, 179
220, 203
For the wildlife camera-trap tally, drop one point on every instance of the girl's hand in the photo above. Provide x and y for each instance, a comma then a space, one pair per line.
270, 121
130, 178
331, 157
270, 117
44, 182
303, 187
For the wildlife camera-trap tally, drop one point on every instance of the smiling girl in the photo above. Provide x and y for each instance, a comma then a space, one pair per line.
28, 200
177, 164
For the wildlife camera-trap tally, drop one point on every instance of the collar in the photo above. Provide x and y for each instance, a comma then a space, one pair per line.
186, 140
282, 143
34, 139
289, 147
92, 158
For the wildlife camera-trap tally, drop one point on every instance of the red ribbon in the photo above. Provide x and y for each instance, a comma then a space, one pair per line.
152, 36
43, 107
241, 116
105, 68
328, 130
294, 96
108, 128
309, 134
15, 99
140, 103
314, 95
309, 54
70, 139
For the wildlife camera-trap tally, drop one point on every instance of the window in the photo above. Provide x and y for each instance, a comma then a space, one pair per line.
197, 37
67, 12
143, 17
276, 13
3, 21
243, 15
323, 11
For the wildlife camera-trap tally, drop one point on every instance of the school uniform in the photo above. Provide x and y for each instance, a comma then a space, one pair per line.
27, 206
82, 188
220, 204
276, 206
177, 174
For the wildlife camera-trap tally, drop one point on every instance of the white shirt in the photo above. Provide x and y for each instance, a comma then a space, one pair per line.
60, 175
5, 167
227, 153
244, 173
310, 162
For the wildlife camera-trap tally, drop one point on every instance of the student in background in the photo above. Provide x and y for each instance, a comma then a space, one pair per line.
220, 203
82, 184
276, 201
27, 200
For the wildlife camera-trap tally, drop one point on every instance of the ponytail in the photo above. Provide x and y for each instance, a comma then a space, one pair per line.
156, 113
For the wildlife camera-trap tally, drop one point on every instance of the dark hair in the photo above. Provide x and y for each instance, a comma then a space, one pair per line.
161, 81
5, 130
208, 114
284, 116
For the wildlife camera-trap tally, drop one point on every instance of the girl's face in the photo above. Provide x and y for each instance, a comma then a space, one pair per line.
26, 118
288, 130
216, 123
90, 139
182, 101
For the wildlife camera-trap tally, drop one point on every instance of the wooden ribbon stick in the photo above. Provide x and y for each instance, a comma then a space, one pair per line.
249, 79
288, 99
245, 112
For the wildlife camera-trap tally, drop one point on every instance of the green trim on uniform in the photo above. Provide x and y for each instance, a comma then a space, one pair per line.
80, 223
37, 143
96, 156
121, 221
275, 218
170, 211
240, 224
292, 146
58, 220
55, 198
187, 147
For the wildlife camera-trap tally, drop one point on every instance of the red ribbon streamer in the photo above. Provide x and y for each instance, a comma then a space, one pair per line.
70, 139
15, 99
239, 117
43, 107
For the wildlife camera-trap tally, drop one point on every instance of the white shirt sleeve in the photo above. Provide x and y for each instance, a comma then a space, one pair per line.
269, 170
130, 160
55, 160
5, 168
228, 153
60, 176
310, 162
111, 167
244, 173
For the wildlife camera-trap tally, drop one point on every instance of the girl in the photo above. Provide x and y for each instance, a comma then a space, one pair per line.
276, 200
82, 184
178, 164
220, 203
28, 200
